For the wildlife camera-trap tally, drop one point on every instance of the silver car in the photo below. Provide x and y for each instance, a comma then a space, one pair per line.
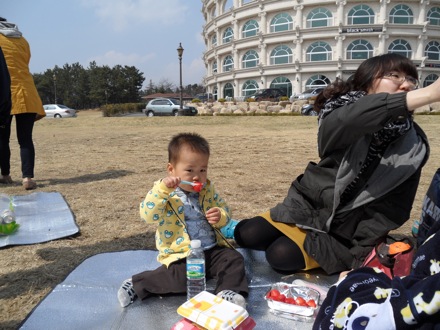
310, 93
167, 106
58, 111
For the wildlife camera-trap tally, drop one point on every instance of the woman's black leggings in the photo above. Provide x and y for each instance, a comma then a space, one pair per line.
281, 252
24, 127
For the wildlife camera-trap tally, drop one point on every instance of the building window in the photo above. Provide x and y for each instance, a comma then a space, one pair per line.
228, 35
228, 63
215, 93
433, 16
214, 40
228, 90
317, 81
281, 55
401, 14
319, 17
249, 87
401, 47
430, 79
359, 50
250, 29
250, 59
361, 14
214, 67
281, 22
319, 51
282, 83
432, 50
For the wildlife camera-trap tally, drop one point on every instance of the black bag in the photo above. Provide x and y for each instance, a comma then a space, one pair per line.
430, 209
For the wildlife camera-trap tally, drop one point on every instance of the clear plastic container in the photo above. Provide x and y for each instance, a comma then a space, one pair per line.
8, 223
297, 302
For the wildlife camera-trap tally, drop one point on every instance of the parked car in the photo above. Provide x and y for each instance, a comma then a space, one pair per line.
307, 110
269, 94
167, 107
310, 93
58, 111
204, 97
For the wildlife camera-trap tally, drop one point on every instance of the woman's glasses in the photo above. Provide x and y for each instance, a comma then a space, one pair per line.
399, 79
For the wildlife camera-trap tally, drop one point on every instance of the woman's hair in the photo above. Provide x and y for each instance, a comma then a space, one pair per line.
363, 79
193, 140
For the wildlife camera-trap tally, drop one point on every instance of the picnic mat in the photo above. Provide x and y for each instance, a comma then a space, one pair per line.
87, 298
43, 216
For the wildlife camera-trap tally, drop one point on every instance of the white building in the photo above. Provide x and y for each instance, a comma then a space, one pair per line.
299, 44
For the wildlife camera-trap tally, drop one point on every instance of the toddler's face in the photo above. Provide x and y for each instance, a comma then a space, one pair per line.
191, 166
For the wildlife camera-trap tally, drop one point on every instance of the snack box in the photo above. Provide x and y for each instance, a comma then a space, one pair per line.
289, 300
212, 312
185, 324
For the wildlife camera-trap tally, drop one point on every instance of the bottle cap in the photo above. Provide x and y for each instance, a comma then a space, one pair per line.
195, 244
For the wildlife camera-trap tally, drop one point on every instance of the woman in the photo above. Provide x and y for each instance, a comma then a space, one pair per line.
26, 105
371, 156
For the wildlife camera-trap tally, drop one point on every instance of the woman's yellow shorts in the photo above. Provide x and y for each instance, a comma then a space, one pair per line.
295, 234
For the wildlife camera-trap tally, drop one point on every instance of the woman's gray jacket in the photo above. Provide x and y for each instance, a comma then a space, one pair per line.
339, 238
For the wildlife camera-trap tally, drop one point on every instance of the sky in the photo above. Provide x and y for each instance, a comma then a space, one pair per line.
140, 33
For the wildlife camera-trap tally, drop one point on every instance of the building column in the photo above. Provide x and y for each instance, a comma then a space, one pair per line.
420, 46
263, 22
263, 53
341, 17
299, 14
339, 47
383, 10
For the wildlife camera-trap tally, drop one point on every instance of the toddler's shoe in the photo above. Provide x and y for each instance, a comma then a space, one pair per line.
232, 297
126, 294
228, 230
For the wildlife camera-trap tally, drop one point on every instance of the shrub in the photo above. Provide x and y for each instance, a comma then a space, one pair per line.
110, 110
196, 101
221, 100
284, 98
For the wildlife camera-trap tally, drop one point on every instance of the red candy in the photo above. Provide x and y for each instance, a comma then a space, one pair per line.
197, 186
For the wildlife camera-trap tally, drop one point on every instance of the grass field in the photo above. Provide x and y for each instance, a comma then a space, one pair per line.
105, 166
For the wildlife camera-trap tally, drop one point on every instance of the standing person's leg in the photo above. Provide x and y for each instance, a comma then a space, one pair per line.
25, 125
5, 152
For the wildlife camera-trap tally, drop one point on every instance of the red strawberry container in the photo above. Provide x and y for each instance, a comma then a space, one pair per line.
290, 301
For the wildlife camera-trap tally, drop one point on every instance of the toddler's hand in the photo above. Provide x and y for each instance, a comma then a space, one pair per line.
171, 181
213, 215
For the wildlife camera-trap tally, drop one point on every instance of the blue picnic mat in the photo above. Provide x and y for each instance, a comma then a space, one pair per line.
87, 298
43, 216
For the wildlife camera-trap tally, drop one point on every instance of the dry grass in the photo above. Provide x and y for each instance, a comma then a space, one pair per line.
104, 167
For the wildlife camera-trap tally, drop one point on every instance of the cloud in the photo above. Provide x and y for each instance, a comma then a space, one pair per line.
112, 58
122, 14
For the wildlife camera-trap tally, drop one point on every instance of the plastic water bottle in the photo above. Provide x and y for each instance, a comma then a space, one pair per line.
195, 270
7, 214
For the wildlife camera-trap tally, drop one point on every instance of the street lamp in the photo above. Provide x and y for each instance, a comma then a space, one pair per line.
180, 53
55, 86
